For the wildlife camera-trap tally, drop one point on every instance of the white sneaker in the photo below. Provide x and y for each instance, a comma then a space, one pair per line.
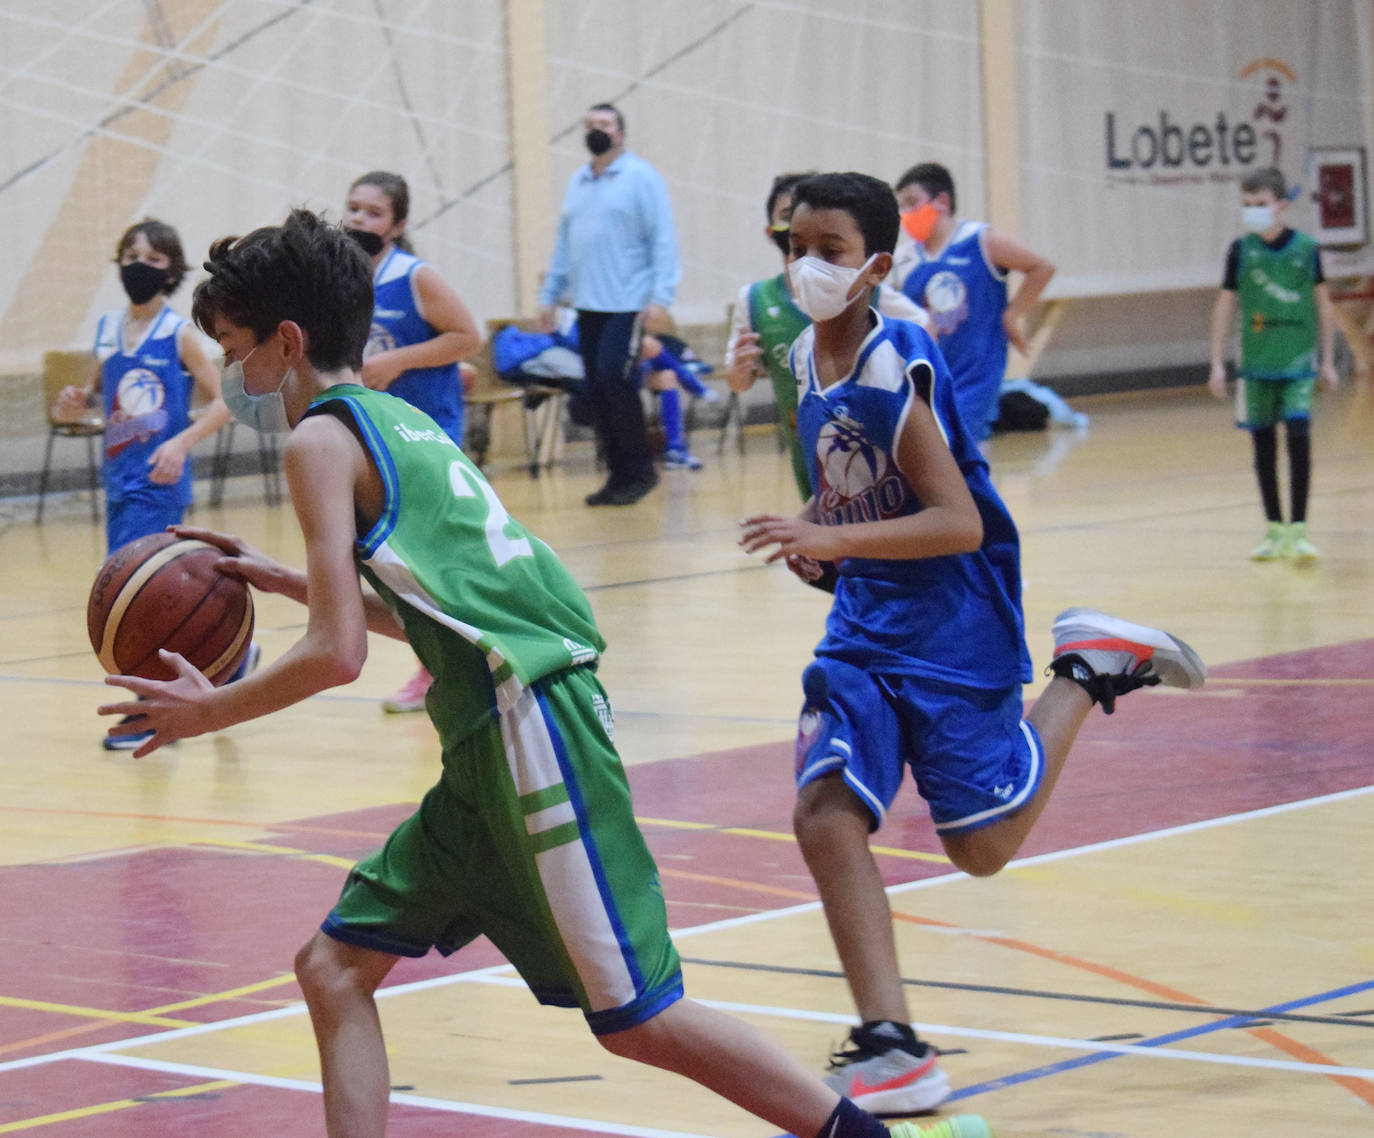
1109, 657
885, 1079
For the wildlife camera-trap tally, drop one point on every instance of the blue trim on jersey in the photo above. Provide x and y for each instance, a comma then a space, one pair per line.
372, 540
588, 839
339, 930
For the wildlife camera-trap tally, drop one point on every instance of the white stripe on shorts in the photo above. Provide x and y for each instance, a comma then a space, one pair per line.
569, 882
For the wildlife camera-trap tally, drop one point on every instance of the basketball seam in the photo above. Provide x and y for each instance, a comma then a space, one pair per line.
129, 591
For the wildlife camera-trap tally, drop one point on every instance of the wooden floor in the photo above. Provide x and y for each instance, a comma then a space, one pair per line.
1186, 948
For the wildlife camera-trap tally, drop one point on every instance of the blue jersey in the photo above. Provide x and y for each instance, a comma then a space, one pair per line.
147, 401
398, 323
955, 618
966, 294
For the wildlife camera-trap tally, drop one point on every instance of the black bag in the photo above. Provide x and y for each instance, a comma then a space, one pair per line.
1017, 411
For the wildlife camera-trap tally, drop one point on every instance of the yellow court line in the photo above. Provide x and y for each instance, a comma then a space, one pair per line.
220, 997
263, 847
152, 1019
776, 836
110, 1107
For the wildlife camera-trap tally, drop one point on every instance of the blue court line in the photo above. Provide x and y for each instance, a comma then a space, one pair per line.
1158, 1041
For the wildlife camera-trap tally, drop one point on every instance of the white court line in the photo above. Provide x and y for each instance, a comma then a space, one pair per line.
502, 975
597, 1126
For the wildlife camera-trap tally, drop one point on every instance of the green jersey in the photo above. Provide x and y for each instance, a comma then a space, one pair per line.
1278, 309
778, 321
488, 607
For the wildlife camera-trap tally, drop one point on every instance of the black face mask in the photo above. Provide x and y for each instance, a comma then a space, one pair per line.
142, 281
370, 243
598, 141
782, 238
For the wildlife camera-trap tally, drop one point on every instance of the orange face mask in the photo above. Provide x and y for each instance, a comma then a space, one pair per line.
919, 223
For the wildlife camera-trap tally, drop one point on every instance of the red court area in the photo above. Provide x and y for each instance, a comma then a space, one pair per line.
144, 934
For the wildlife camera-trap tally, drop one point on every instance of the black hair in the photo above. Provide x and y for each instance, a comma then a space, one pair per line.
305, 270
931, 177
165, 240
782, 184
1265, 178
397, 193
619, 118
868, 200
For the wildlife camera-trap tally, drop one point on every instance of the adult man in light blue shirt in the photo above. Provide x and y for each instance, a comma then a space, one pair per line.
615, 260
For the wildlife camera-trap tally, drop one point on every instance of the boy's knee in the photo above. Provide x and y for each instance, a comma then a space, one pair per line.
827, 811
978, 854
641, 1042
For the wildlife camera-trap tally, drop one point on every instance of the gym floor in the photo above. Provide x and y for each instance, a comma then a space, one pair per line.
1185, 946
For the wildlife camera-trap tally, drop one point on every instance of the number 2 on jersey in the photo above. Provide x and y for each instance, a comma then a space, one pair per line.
502, 548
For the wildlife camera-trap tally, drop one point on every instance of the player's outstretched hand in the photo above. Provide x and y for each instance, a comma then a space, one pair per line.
248, 563
792, 536
171, 709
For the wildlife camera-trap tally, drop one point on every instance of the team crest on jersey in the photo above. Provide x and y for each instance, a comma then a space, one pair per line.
139, 412
859, 480
946, 301
379, 339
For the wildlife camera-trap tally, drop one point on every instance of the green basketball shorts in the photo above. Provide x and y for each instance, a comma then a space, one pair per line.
529, 838
1264, 402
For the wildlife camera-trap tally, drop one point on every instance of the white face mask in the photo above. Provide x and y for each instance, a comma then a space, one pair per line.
1257, 218
820, 289
265, 413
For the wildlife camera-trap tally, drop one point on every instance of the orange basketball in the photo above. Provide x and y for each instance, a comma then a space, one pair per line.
163, 591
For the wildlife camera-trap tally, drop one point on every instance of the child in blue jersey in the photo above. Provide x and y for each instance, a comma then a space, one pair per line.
148, 365
923, 657
959, 276
528, 836
420, 332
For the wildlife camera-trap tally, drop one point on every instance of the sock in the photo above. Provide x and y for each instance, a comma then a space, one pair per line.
888, 1032
850, 1121
1299, 440
690, 383
1266, 470
670, 416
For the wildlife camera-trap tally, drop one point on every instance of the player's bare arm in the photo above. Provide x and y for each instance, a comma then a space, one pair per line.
1011, 256
457, 338
1223, 319
324, 464
1326, 320
947, 523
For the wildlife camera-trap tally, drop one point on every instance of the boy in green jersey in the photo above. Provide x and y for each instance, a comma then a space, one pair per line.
1275, 273
528, 836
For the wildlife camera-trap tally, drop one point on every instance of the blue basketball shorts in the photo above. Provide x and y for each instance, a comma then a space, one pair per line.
141, 512
974, 758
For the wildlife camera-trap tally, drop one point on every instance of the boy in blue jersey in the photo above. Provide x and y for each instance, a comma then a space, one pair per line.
924, 654
959, 276
528, 836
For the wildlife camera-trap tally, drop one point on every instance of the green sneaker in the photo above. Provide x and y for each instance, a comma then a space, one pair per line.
1298, 545
956, 1126
1274, 545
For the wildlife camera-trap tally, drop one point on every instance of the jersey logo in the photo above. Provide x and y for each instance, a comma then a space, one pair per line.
379, 339
602, 707
138, 413
858, 481
946, 301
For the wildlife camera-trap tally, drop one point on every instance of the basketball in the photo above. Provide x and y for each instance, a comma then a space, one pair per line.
163, 591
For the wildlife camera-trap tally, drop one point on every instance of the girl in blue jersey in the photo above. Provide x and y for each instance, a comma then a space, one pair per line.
148, 364
420, 330
924, 655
